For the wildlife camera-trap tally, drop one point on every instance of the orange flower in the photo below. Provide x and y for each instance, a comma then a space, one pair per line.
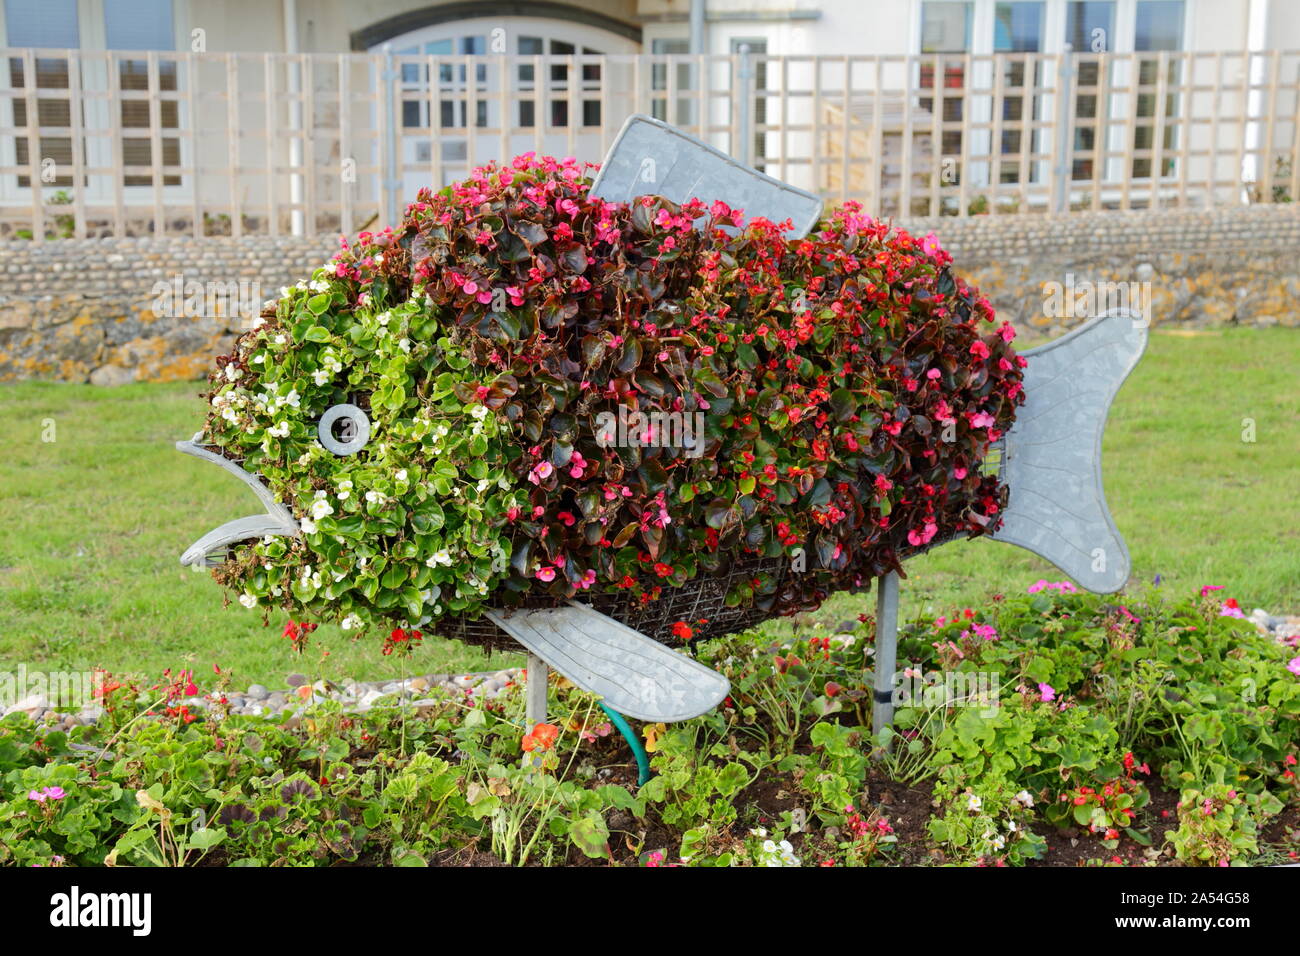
543, 737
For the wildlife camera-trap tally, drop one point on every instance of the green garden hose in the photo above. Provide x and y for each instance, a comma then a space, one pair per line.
633, 741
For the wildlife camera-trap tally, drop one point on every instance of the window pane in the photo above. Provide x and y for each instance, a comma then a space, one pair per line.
1089, 25
528, 46
945, 27
50, 23
560, 71
1159, 25
138, 25
1018, 28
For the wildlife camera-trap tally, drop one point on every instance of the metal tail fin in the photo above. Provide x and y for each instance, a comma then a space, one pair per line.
1052, 455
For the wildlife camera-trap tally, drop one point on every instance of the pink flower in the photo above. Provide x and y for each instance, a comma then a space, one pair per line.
1065, 587
577, 464
541, 471
1230, 608
1048, 692
979, 350
932, 374
930, 245
1206, 589
985, 632
1294, 666
588, 579
924, 536
982, 420
546, 574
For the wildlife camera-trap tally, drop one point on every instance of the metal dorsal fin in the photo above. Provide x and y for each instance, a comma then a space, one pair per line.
1052, 455
650, 157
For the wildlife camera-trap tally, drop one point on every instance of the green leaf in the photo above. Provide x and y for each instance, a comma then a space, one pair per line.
590, 835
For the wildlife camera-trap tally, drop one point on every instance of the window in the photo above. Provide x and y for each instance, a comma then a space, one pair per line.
1089, 28
683, 114
50, 24
945, 28
589, 83
1018, 28
757, 47
137, 25
1159, 27
1089, 25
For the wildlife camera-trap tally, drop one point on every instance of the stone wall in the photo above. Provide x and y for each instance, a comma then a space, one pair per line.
1236, 265
88, 310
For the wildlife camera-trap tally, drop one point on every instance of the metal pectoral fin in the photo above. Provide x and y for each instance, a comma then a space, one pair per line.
633, 674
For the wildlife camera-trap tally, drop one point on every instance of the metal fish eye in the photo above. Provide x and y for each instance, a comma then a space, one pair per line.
344, 430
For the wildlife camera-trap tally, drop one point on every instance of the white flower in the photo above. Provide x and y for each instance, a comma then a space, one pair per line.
778, 854
973, 803
442, 557
350, 623
373, 496
259, 358
308, 526
232, 372
1024, 799
383, 317
345, 489
479, 411
379, 259
320, 508
404, 345
279, 431
247, 600
401, 474
280, 340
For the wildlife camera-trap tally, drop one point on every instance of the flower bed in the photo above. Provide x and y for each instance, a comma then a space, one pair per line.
826, 402
1161, 732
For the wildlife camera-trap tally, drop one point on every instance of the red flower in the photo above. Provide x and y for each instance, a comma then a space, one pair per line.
682, 631
542, 737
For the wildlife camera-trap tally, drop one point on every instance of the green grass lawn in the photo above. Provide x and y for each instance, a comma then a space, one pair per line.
91, 524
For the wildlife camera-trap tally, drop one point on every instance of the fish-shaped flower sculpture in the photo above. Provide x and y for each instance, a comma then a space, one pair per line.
603, 419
